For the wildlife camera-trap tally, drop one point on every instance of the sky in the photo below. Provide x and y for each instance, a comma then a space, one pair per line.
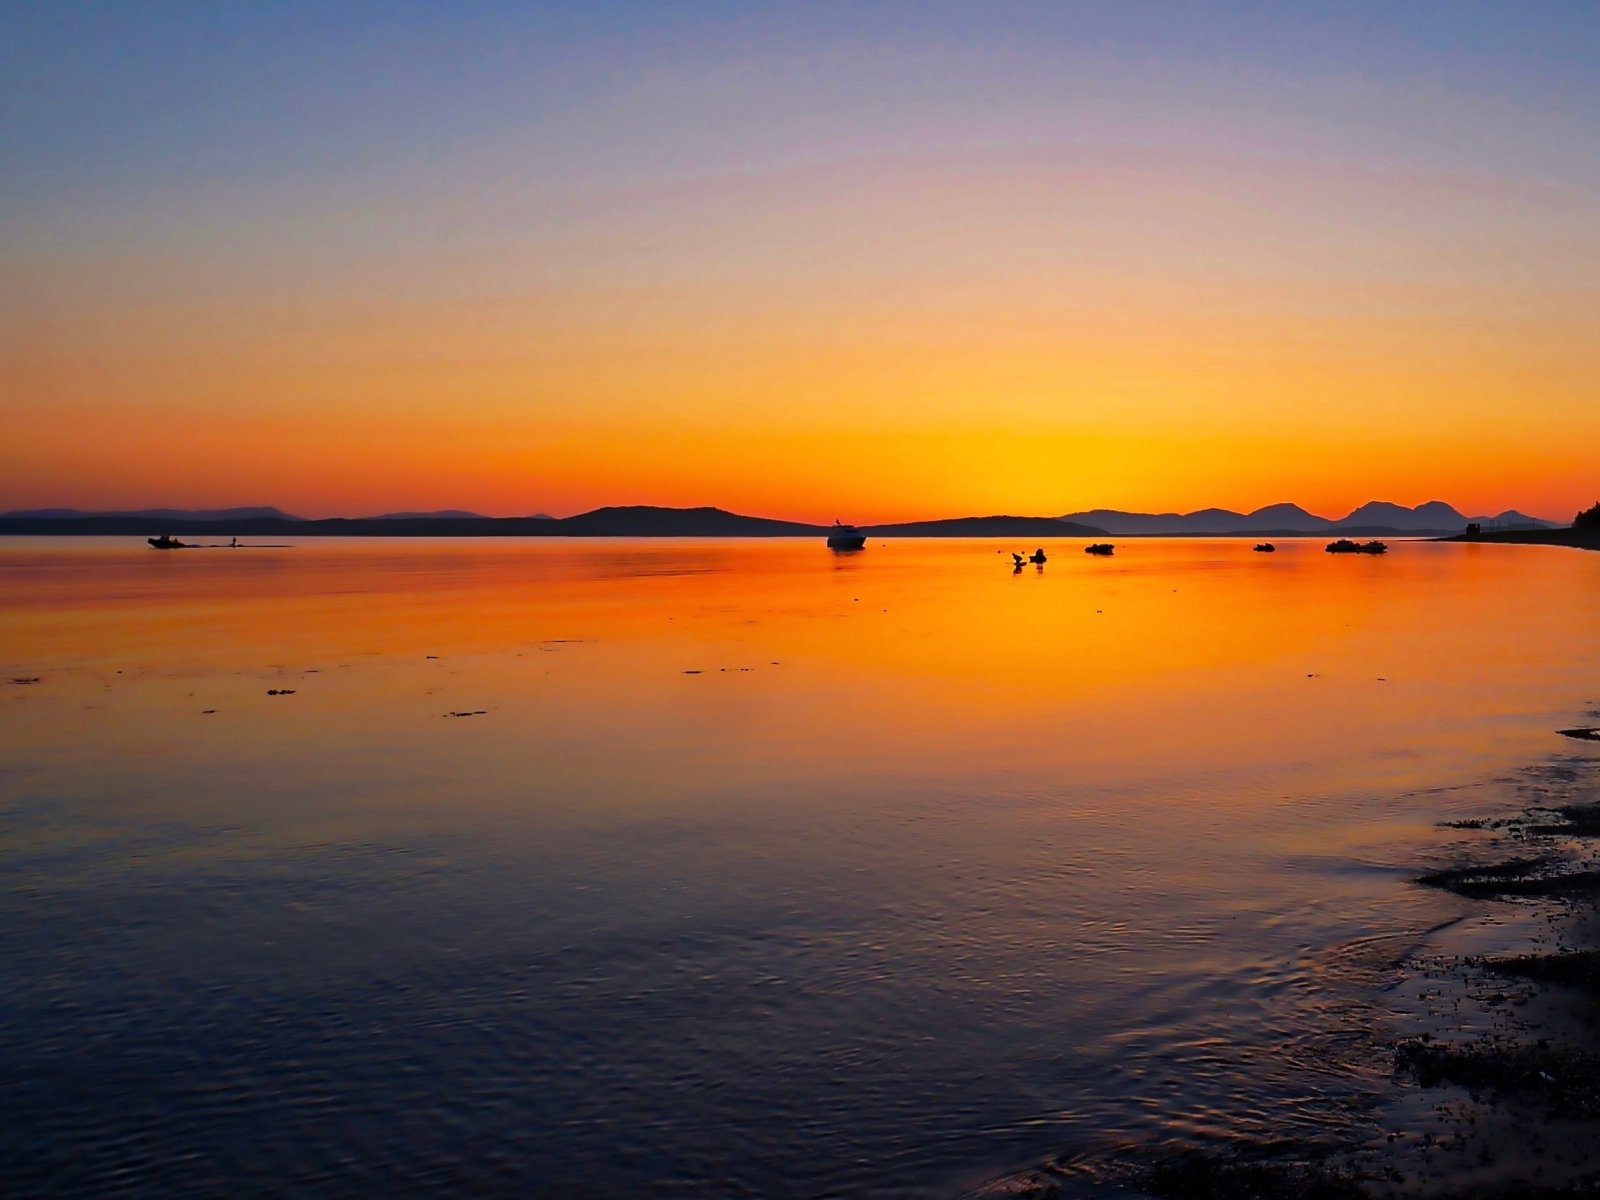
874, 261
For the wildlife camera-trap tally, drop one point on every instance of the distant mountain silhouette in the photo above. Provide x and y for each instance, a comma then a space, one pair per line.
443, 514
1275, 518
1435, 514
154, 514
644, 520
1017, 527
1284, 516
1512, 519
1375, 517
638, 521
629, 521
1370, 520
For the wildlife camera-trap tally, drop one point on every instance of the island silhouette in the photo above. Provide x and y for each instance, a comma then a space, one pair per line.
1374, 519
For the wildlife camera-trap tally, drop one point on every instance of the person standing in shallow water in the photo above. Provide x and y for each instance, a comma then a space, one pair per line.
1037, 557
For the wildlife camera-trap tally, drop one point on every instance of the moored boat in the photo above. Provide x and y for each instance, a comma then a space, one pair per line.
1346, 546
845, 537
168, 543
1265, 548
1099, 548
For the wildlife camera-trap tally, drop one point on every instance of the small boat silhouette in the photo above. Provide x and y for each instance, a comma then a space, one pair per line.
1099, 548
168, 543
845, 537
1265, 548
1346, 546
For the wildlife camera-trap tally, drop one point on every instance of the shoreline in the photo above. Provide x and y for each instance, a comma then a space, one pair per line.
1489, 1038
1578, 539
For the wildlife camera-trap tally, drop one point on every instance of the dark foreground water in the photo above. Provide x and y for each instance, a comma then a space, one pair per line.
749, 870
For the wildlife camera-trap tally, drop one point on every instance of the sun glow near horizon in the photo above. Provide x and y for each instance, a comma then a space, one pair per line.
889, 279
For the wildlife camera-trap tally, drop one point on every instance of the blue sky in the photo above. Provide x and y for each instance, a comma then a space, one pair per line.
533, 226
109, 94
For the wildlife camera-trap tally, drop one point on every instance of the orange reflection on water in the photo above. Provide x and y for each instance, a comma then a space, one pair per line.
770, 657
1106, 828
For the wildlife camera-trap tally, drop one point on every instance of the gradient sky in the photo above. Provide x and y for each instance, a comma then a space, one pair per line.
876, 261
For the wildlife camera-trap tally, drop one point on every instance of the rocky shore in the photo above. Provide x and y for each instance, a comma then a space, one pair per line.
1491, 1043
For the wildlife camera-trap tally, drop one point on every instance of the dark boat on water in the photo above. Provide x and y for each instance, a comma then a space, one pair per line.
168, 543
1265, 548
845, 537
1346, 546
1099, 548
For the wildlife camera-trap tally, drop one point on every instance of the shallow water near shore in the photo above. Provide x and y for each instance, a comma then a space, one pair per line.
726, 868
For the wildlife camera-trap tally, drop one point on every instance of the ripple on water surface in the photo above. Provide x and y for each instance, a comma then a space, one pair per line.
963, 871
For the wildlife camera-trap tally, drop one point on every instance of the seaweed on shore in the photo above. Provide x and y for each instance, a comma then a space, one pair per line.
1479, 823
1196, 1175
1515, 1080
1539, 820
1245, 1170
1258, 1172
1517, 877
1577, 820
1566, 1078
1576, 969
1525, 1074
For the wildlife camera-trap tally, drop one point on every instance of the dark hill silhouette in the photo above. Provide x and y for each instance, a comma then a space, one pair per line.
1283, 516
1274, 518
262, 526
1376, 518
636, 521
447, 514
999, 526
626, 521
1114, 521
643, 520
1512, 519
260, 512
1435, 514
425, 527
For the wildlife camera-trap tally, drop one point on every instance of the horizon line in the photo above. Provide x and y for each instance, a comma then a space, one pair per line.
425, 514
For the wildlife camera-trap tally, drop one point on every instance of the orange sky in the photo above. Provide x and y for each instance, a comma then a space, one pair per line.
945, 295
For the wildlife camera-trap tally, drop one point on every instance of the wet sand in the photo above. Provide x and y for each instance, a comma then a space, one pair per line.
1491, 1042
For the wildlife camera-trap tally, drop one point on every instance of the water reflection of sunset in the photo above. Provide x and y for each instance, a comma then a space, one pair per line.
1191, 653
903, 823
513, 866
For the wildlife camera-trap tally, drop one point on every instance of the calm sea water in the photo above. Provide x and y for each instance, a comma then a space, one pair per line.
754, 871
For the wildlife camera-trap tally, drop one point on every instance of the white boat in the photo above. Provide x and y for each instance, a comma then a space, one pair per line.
845, 537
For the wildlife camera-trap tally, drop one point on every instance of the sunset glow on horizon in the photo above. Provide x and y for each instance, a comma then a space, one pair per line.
891, 263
